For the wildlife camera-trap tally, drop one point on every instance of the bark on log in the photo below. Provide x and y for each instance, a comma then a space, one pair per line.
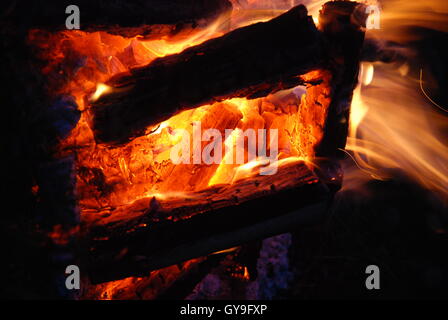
153, 233
248, 62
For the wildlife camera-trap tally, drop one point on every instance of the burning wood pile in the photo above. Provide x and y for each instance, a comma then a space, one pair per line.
250, 207
141, 86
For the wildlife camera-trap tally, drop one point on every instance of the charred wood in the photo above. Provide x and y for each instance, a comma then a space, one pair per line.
341, 23
153, 233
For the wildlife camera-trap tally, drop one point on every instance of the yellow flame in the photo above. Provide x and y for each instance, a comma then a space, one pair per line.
393, 126
101, 89
163, 47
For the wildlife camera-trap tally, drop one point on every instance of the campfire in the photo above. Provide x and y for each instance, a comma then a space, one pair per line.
200, 140
187, 136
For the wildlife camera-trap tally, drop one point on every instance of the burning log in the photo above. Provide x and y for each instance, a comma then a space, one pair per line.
156, 232
248, 62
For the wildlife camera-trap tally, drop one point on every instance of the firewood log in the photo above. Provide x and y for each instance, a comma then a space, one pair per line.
153, 232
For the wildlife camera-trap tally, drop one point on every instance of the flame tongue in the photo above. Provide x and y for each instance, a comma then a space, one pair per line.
393, 126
